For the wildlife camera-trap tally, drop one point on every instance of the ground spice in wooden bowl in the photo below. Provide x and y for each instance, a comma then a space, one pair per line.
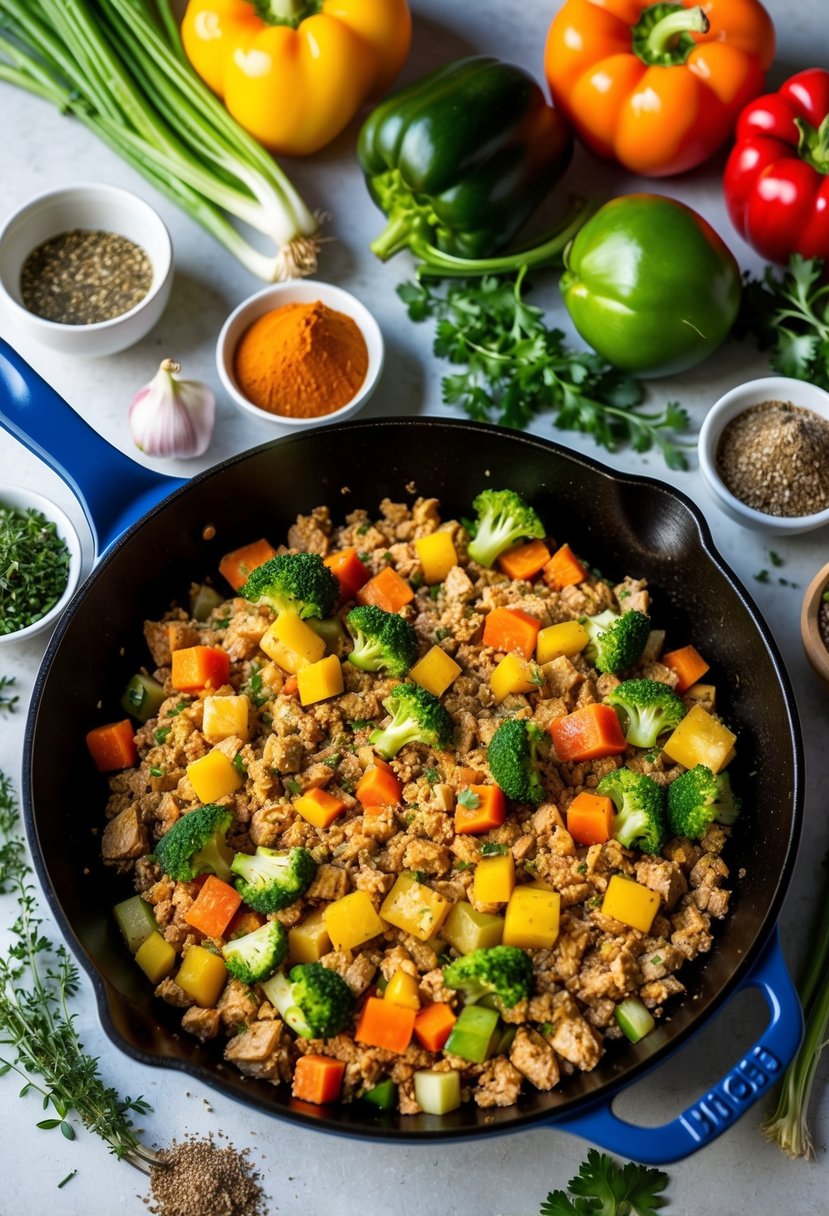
85, 276
301, 360
774, 457
198, 1178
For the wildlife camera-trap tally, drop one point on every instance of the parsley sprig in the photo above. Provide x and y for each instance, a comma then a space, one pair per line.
602, 1188
8, 699
788, 314
516, 367
34, 567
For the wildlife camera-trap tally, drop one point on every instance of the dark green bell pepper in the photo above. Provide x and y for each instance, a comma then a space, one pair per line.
650, 285
460, 159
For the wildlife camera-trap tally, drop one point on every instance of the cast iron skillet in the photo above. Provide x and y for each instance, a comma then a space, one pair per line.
624, 524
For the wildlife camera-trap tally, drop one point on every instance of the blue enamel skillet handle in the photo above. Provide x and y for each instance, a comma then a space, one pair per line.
113, 490
760, 1068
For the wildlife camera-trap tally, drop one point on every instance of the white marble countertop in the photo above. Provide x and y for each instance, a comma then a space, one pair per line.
306, 1172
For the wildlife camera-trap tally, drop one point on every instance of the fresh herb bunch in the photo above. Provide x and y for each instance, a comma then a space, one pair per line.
516, 367
602, 1188
8, 701
38, 1039
34, 567
788, 315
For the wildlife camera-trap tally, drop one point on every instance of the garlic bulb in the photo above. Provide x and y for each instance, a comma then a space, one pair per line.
171, 417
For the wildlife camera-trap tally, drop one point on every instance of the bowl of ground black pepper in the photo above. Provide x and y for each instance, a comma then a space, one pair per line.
814, 622
40, 561
764, 453
86, 270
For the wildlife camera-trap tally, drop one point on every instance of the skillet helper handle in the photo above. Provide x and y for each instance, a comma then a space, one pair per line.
758, 1070
113, 490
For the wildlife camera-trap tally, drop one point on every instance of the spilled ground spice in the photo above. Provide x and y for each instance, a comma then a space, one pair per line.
201, 1179
774, 457
85, 276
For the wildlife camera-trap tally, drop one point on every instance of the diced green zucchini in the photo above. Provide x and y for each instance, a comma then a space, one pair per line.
142, 697
504, 1041
473, 1033
203, 601
383, 1096
468, 930
331, 631
135, 919
634, 1018
438, 1092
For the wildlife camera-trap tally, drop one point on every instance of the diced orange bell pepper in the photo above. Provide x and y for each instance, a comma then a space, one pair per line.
511, 629
383, 1024
489, 812
564, 569
349, 572
588, 734
524, 561
214, 907
688, 664
198, 667
113, 746
237, 566
317, 1079
590, 818
387, 590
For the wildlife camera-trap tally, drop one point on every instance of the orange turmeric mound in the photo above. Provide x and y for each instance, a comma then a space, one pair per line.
301, 360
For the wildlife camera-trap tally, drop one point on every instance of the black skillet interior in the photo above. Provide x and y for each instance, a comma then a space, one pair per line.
621, 524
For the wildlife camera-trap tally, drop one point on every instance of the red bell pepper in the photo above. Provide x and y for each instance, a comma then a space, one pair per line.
777, 176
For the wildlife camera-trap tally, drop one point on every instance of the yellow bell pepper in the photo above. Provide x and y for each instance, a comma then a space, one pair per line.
202, 975
532, 918
630, 902
437, 556
295, 72
435, 671
513, 674
402, 990
213, 776
415, 908
701, 739
352, 920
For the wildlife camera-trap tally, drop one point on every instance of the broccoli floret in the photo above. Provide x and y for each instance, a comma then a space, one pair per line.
257, 955
639, 821
270, 879
195, 844
417, 717
315, 1002
512, 756
503, 519
294, 582
616, 642
647, 709
382, 640
699, 798
504, 971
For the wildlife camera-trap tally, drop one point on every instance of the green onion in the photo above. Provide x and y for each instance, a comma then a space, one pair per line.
119, 72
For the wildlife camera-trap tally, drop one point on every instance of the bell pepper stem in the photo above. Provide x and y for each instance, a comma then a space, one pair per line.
813, 144
681, 21
395, 237
285, 12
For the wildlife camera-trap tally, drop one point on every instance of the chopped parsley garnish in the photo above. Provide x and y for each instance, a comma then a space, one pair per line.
490, 849
469, 799
34, 567
162, 734
293, 787
432, 775
239, 765
177, 709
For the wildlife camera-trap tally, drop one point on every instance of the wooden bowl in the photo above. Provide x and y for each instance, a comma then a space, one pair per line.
813, 644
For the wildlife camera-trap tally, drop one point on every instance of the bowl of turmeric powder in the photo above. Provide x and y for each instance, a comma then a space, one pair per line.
298, 354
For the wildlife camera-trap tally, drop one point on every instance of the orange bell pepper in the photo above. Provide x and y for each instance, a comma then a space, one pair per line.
657, 87
295, 72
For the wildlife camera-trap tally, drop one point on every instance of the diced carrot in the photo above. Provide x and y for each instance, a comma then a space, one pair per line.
379, 787
387, 590
113, 746
564, 569
489, 812
511, 629
588, 734
318, 1079
198, 667
590, 818
291, 686
383, 1024
236, 566
688, 664
214, 907
525, 561
244, 921
433, 1025
349, 571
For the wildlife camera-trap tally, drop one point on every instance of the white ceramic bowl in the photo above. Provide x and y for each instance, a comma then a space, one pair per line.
92, 206
754, 392
21, 499
304, 291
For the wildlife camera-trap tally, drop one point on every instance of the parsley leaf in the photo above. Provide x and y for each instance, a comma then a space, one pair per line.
603, 1188
491, 849
516, 367
469, 799
787, 313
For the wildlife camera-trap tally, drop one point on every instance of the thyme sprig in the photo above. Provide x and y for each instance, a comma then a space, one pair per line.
8, 701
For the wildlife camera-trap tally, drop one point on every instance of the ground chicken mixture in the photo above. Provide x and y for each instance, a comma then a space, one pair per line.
595, 962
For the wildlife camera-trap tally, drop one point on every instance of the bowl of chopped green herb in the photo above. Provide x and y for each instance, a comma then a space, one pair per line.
86, 270
40, 561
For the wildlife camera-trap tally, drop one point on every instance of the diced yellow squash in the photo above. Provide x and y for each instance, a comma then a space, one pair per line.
281, 654
319, 808
202, 975
701, 739
531, 920
321, 680
402, 990
213, 776
352, 920
156, 957
467, 929
298, 636
415, 908
226, 716
513, 674
567, 638
494, 879
435, 671
437, 555
630, 902
308, 941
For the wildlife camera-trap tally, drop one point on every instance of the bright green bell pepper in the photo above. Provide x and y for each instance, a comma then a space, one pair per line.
650, 285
